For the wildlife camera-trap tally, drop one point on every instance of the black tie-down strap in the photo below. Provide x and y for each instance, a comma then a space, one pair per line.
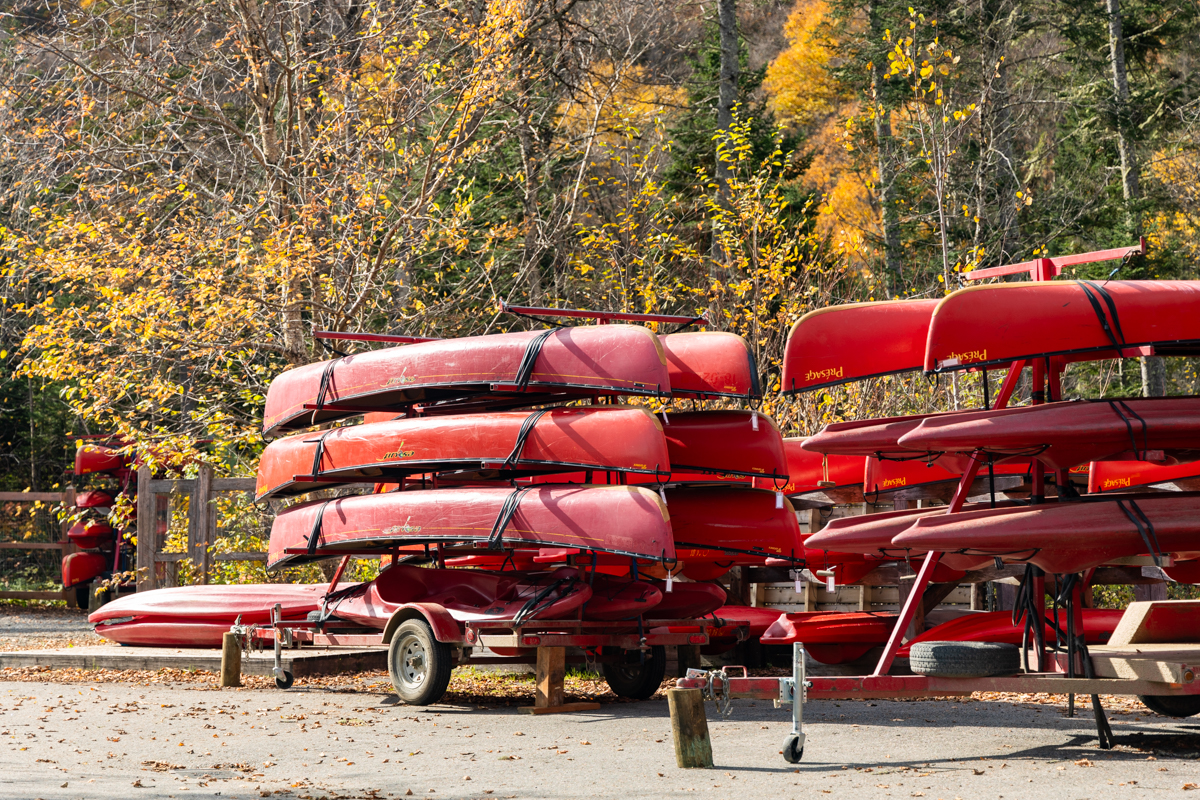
315, 534
505, 516
529, 359
323, 389
1128, 416
546, 598
522, 437
1076, 647
1025, 607
1145, 529
319, 453
1111, 323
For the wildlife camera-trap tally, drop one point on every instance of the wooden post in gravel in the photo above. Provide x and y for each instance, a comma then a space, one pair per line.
231, 659
689, 728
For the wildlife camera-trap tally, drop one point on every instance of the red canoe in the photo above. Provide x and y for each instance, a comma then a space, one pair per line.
1003, 322
486, 445
832, 637
467, 594
888, 476
91, 459
1065, 537
1120, 476
732, 525
619, 519
530, 366
197, 616
93, 498
836, 475
855, 341
80, 568
704, 364
997, 626
1063, 435
875, 437
91, 533
743, 443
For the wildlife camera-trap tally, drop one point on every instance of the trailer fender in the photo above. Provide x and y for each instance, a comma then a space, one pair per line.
445, 627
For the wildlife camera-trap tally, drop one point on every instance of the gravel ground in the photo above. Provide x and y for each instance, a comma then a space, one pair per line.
134, 738
38, 627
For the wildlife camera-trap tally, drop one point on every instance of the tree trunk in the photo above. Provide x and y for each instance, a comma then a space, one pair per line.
727, 90
1129, 162
888, 216
532, 251
1154, 376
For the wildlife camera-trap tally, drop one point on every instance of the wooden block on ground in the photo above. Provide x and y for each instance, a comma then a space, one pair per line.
689, 729
231, 659
551, 670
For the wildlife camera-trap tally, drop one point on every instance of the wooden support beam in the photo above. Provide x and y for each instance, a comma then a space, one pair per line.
231, 659
551, 672
147, 534
689, 729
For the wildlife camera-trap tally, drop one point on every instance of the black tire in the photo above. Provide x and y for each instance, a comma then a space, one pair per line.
792, 750
419, 665
632, 678
964, 659
1172, 706
82, 594
286, 681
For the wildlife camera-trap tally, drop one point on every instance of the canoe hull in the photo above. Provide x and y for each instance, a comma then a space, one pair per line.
997, 626
621, 519
735, 443
703, 364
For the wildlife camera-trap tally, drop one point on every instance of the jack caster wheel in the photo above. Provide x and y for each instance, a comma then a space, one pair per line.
286, 681
793, 749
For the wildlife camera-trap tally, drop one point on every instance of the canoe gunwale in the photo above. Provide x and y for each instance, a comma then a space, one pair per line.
1192, 346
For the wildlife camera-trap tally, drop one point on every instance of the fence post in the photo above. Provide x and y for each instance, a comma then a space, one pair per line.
201, 520
147, 533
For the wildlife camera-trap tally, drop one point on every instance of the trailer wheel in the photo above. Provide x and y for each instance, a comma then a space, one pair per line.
1172, 706
286, 681
635, 679
964, 659
419, 665
793, 751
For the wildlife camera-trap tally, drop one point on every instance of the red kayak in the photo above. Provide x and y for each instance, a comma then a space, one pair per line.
80, 568
1003, 322
94, 498
1184, 571
1120, 476
519, 560
879, 438
91, 459
1062, 435
1066, 537
529, 366
725, 637
197, 616
997, 626
832, 637
468, 595
91, 533
851, 342
732, 525
704, 364
619, 519
486, 445
840, 477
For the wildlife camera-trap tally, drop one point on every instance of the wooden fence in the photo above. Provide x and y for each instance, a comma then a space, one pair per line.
153, 499
63, 547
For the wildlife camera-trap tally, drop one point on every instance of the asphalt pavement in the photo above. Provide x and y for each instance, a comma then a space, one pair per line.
179, 741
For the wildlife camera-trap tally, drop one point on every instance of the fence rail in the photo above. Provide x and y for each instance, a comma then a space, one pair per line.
63, 546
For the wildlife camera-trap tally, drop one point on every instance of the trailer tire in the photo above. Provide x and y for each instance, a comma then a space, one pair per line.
285, 681
964, 659
1172, 706
418, 664
635, 679
793, 751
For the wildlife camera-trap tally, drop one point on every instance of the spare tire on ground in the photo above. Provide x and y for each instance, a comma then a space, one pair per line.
964, 659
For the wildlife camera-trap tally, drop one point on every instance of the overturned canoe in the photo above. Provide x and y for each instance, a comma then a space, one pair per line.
1063, 435
997, 626
627, 520
197, 616
486, 445
732, 525
846, 343
529, 367
873, 533
91, 459
703, 364
741, 443
999, 323
930, 480
840, 477
1065, 537
1121, 476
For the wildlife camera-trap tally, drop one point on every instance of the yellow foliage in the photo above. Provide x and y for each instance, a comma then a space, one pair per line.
801, 90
